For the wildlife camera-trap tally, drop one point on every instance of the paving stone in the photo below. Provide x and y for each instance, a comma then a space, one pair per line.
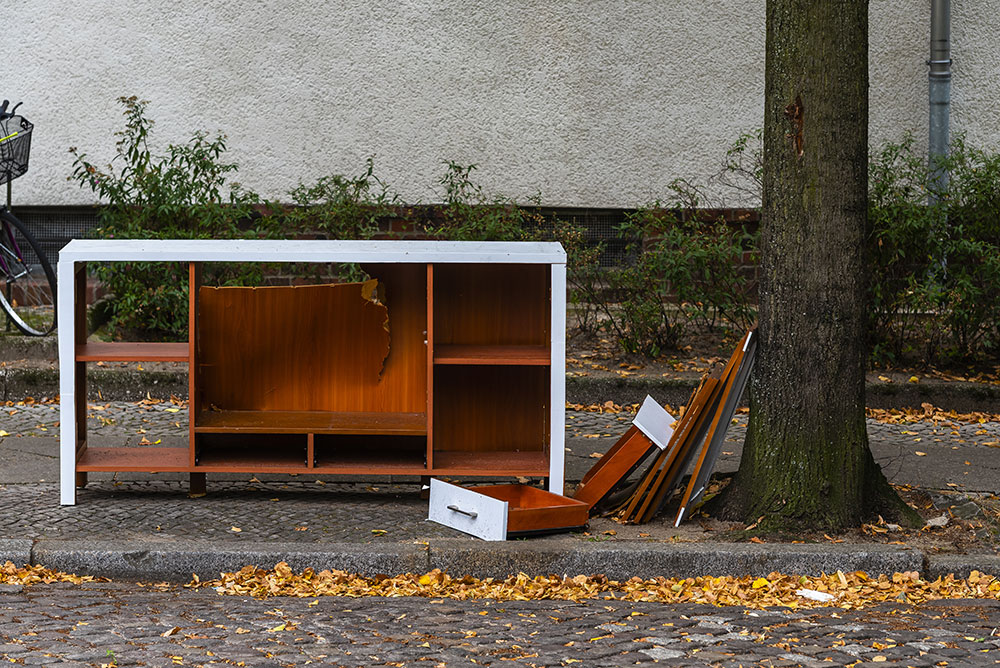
660, 653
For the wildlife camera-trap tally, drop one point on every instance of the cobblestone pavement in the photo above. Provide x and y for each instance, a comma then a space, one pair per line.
307, 509
128, 625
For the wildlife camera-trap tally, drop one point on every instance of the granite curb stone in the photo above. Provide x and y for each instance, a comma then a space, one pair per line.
939, 565
177, 560
622, 560
16, 550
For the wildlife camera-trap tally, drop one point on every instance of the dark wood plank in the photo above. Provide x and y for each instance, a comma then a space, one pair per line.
306, 422
494, 355
132, 352
152, 460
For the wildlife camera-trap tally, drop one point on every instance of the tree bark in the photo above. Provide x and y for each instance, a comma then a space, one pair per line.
806, 462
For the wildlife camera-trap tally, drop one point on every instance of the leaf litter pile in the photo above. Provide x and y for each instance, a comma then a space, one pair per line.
844, 590
30, 575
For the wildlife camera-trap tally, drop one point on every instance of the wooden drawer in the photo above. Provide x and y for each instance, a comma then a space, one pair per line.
499, 512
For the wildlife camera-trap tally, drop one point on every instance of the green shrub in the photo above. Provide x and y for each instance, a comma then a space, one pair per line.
467, 214
340, 207
182, 194
686, 271
935, 255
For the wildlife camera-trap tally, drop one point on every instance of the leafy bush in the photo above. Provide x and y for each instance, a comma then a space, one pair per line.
936, 255
340, 207
183, 194
469, 215
936, 262
683, 270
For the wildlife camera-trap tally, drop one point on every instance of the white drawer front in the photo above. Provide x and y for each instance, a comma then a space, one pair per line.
468, 511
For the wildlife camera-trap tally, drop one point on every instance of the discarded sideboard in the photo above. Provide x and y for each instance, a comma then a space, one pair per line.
450, 361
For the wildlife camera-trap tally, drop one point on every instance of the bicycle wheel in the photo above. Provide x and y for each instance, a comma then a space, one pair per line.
27, 282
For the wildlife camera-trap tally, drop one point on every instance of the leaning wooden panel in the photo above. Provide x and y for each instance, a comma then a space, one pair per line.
685, 453
623, 457
713, 442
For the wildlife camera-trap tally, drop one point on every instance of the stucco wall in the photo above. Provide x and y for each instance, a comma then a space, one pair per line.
596, 103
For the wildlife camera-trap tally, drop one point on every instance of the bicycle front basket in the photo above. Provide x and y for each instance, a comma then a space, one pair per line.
15, 143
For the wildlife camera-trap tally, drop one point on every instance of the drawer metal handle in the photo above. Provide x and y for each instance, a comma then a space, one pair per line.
468, 513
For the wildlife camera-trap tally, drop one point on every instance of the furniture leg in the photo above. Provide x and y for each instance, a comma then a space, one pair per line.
198, 485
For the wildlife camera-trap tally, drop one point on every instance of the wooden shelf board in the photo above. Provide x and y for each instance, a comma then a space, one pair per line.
132, 352
475, 354
310, 422
156, 460
532, 463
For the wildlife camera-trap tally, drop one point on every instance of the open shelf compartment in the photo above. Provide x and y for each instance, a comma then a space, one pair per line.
282, 453
391, 455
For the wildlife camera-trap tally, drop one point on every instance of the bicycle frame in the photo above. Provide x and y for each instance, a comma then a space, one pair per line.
15, 251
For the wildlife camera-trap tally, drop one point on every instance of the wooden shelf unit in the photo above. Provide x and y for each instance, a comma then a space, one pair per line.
454, 365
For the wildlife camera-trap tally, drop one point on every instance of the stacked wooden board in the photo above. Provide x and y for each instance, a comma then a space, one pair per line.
697, 437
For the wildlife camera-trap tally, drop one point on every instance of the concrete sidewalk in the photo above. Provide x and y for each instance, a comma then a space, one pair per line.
142, 526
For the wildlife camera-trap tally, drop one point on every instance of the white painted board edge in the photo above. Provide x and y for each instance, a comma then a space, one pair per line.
468, 511
654, 421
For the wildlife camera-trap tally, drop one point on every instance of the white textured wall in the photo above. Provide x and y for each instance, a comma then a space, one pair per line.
598, 103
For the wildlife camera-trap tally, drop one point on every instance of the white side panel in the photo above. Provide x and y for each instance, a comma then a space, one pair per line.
466, 510
67, 382
654, 421
557, 386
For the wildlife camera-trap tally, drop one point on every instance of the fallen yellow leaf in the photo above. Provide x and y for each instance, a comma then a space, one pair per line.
920, 454
235, 529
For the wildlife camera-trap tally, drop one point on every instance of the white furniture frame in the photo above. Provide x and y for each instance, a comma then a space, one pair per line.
77, 253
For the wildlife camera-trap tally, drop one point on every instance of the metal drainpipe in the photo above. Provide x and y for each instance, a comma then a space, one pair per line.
939, 89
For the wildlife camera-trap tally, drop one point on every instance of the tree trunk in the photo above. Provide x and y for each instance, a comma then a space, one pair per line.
806, 462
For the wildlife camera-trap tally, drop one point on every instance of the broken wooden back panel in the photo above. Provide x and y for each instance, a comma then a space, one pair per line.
491, 304
315, 348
